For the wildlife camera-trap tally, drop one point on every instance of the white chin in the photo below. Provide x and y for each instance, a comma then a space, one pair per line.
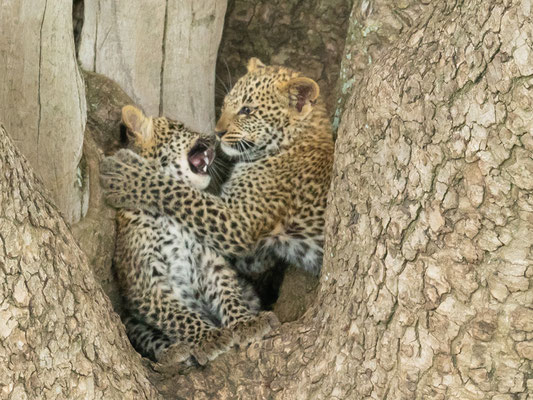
230, 151
200, 182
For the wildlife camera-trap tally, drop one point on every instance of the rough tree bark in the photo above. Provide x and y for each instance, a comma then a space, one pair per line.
444, 118
40, 86
162, 53
374, 26
426, 290
59, 337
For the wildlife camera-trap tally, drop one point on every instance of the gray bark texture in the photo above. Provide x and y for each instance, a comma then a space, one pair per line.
42, 98
59, 337
434, 153
162, 53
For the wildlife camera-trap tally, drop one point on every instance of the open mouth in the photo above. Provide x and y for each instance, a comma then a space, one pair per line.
201, 156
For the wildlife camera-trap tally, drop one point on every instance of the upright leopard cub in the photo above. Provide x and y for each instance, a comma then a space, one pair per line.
177, 291
274, 123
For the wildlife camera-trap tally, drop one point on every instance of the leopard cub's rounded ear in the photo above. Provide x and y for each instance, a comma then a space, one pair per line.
254, 64
140, 126
302, 93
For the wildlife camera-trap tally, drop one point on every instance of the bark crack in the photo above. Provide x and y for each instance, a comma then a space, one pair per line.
163, 56
96, 35
39, 78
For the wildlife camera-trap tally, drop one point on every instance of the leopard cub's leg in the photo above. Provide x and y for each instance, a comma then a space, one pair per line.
237, 305
192, 335
147, 340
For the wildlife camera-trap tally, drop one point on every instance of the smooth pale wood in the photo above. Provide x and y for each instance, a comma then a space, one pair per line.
162, 53
190, 58
42, 96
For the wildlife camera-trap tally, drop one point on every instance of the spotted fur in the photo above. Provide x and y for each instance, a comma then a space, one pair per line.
178, 292
275, 125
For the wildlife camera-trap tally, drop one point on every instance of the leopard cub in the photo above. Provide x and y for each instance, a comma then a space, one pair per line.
183, 300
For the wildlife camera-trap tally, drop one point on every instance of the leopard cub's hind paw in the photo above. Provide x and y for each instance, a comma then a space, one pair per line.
176, 354
252, 329
217, 342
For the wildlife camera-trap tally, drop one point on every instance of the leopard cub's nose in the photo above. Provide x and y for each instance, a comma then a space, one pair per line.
220, 133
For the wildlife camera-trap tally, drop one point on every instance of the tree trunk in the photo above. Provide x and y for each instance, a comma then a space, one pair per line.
42, 98
434, 153
162, 53
59, 337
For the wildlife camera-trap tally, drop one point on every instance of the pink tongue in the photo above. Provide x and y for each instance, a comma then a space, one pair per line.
197, 160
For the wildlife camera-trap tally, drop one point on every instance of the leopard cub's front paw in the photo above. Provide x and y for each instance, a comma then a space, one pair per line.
254, 328
120, 178
112, 181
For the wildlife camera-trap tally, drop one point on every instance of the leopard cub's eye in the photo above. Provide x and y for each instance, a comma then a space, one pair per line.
245, 111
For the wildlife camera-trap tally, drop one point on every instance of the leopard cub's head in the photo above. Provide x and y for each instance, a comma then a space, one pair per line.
265, 110
171, 146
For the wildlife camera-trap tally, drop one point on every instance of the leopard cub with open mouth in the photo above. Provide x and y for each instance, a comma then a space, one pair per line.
183, 300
